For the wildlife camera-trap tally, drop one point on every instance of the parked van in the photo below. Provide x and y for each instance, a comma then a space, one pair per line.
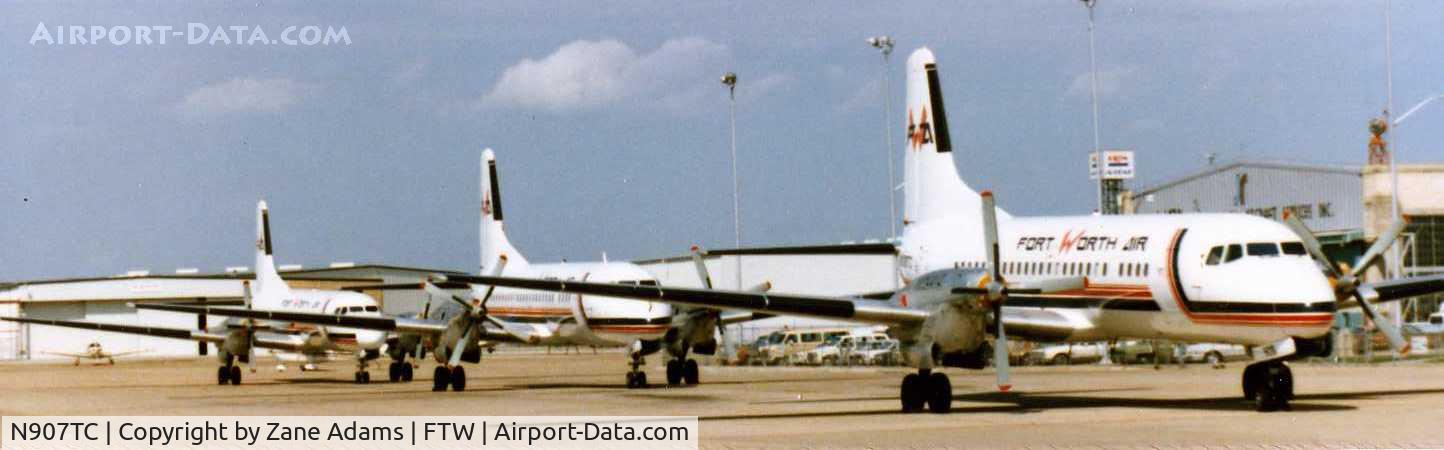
839, 349
791, 346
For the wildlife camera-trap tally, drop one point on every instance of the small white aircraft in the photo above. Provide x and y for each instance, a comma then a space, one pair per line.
95, 352
973, 270
456, 331
237, 339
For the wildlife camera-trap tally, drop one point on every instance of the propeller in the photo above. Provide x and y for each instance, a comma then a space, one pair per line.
702, 274
1346, 284
997, 290
475, 311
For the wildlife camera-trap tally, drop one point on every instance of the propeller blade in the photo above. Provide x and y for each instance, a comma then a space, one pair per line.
1311, 244
702, 273
1396, 340
460, 346
1377, 250
434, 290
1000, 354
990, 235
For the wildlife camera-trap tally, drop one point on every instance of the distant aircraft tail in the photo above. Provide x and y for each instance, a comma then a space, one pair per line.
931, 184
268, 281
494, 243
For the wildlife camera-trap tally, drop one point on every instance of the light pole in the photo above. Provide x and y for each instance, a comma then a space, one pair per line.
1093, 89
730, 79
884, 44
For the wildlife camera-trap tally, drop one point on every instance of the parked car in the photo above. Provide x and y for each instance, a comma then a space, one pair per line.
1064, 354
1132, 352
1215, 354
837, 350
791, 346
881, 352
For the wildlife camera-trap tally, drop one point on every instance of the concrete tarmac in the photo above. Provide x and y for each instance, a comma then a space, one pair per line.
1388, 405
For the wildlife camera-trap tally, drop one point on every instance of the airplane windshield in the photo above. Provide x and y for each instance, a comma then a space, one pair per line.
1294, 248
1263, 249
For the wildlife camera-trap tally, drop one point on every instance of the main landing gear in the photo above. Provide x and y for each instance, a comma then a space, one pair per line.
444, 376
229, 373
682, 370
1269, 384
399, 371
929, 388
636, 378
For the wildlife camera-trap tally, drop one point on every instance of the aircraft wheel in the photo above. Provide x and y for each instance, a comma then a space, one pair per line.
363, 377
674, 372
440, 378
913, 394
940, 393
406, 372
235, 375
458, 378
393, 372
223, 375
690, 372
1275, 388
631, 380
1252, 377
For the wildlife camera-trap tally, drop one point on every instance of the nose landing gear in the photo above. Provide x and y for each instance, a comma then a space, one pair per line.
636, 378
1269, 384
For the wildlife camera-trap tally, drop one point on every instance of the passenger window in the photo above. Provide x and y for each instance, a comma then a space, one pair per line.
1235, 252
1294, 248
1214, 256
1263, 249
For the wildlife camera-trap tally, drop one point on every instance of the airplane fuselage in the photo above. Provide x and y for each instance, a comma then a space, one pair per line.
1191, 277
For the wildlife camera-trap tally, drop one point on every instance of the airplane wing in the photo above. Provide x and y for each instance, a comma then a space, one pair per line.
68, 355
858, 310
132, 352
378, 323
1397, 289
174, 333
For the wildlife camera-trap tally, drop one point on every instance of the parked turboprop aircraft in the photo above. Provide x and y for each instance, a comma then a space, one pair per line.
95, 352
236, 339
455, 331
1190, 277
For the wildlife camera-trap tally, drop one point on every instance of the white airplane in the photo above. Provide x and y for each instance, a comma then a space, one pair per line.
236, 339
456, 331
1230, 278
95, 352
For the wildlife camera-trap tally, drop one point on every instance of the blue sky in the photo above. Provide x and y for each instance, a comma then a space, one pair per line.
611, 127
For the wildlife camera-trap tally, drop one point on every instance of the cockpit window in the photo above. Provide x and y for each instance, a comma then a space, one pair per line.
1214, 256
1234, 252
1263, 249
372, 309
1294, 248
647, 282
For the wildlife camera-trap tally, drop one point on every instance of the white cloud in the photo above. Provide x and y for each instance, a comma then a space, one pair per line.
1110, 81
243, 95
583, 75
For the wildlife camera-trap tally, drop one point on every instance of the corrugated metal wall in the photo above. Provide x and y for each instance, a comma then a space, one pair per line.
1328, 199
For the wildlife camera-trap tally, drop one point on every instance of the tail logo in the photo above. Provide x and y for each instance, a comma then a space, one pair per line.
919, 134
486, 203
260, 244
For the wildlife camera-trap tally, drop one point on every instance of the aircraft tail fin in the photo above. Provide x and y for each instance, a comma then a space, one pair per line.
931, 184
494, 243
268, 280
